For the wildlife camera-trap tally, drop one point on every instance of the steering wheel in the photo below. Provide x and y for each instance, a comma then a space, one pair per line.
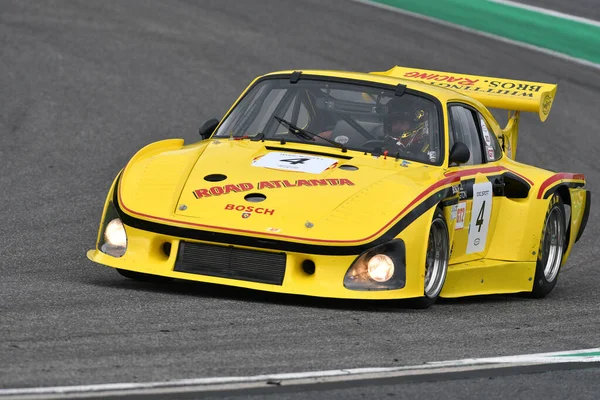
374, 143
387, 141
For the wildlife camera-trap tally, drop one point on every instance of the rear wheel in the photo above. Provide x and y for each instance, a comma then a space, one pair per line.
552, 248
138, 276
436, 262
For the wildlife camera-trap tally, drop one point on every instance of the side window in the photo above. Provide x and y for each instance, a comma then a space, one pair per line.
492, 148
464, 129
453, 134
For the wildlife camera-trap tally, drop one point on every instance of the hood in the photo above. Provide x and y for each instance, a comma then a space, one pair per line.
264, 188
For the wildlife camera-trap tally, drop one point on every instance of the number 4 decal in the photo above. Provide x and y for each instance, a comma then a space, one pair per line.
481, 212
294, 161
479, 221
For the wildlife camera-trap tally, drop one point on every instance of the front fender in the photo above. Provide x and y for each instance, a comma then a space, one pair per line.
107, 202
416, 237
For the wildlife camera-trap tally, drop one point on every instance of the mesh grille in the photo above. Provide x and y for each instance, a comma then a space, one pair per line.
231, 262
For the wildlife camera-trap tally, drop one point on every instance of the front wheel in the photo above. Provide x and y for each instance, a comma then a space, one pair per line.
552, 248
436, 261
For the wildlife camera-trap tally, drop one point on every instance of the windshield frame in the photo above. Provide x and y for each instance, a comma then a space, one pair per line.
358, 82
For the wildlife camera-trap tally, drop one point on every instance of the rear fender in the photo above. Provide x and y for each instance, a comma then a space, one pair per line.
578, 200
571, 188
517, 235
518, 230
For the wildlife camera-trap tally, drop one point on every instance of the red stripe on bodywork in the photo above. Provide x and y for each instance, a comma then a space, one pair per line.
486, 170
473, 171
437, 185
554, 178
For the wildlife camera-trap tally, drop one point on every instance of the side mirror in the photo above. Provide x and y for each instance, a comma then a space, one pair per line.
459, 154
208, 128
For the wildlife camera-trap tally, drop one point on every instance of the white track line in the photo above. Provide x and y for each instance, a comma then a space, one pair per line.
542, 50
311, 377
546, 11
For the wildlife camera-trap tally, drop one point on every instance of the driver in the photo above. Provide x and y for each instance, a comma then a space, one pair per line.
406, 125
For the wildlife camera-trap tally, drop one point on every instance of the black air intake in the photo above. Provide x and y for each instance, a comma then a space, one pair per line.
231, 262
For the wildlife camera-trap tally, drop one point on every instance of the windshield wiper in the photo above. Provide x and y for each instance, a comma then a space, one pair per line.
306, 135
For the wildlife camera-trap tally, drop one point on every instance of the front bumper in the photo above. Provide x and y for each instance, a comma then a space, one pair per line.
157, 254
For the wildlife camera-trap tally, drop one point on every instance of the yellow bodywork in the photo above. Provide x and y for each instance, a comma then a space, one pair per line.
164, 185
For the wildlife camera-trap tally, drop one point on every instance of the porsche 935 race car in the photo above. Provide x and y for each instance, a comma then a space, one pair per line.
385, 185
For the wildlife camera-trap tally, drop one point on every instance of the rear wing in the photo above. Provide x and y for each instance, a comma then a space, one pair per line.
502, 93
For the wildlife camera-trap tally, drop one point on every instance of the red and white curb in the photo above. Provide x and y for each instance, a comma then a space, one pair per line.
300, 378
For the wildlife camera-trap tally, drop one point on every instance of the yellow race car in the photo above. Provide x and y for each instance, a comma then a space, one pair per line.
383, 185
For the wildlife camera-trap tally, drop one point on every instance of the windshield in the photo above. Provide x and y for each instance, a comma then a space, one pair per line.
345, 115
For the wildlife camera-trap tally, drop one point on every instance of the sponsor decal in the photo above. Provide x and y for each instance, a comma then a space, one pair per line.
546, 103
275, 184
462, 192
486, 132
247, 210
461, 212
226, 189
526, 87
459, 80
465, 189
341, 139
304, 182
501, 87
432, 156
490, 153
274, 230
453, 211
484, 90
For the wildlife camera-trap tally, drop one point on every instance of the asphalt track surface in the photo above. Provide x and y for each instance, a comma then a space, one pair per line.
83, 85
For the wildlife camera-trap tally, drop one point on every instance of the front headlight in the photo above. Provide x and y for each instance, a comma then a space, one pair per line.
380, 268
114, 237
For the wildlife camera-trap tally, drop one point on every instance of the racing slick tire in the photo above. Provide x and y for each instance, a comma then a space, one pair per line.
552, 249
138, 276
436, 262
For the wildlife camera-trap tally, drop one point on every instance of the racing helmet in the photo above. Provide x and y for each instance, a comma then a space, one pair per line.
403, 114
405, 122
